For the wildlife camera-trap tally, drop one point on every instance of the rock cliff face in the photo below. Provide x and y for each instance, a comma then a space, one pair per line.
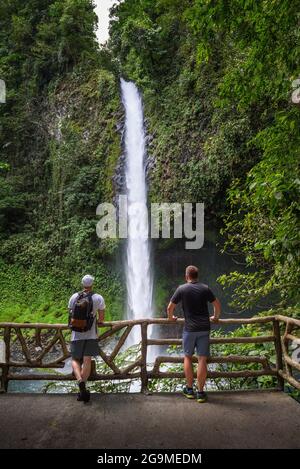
76, 147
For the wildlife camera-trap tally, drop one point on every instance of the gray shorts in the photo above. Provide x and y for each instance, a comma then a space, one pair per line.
198, 340
84, 348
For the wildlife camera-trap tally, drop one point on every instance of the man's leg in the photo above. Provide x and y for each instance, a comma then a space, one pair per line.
188, 341
77, 350
201, 372
188, 370
78, 372
86, 368
76, 365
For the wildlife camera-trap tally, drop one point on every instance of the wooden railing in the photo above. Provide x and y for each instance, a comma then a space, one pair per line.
44, 347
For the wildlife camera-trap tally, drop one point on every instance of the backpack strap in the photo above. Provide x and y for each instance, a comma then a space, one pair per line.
80, 293
90, 297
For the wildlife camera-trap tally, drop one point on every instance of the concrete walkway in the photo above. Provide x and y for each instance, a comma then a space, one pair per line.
228, 420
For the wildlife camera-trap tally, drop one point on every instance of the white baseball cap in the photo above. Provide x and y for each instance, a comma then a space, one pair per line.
87, 280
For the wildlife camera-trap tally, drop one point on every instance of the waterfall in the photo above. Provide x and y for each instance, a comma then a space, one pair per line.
138, 267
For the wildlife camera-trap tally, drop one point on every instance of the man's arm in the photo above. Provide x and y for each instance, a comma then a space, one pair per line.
176, 298
217, 311
70, 307
170, 311
101, 314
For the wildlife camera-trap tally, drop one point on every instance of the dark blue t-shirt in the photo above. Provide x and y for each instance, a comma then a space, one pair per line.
194, 297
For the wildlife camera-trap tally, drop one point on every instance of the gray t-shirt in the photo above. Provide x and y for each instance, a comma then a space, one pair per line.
194, 297
98, 303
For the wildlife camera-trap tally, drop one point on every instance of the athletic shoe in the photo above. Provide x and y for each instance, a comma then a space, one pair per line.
188, 392
84, 396
201, 396
87, 396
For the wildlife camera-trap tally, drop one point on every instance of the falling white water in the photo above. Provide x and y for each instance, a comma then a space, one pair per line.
138, 270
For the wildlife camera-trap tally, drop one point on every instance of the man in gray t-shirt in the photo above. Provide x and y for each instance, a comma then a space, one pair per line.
84, 345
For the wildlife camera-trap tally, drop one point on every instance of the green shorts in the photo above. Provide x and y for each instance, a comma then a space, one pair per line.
84, 348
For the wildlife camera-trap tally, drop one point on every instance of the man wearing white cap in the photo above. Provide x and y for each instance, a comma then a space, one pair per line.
84, 307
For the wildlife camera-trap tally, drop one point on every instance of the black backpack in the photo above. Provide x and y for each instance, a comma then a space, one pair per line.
81, 316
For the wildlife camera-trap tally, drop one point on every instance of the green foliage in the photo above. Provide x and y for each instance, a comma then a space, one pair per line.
263, 223
261, 41
42, 296
12, 206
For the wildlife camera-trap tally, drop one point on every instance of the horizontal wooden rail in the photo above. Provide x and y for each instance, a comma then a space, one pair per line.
293, 338
217, 340
291, 362
288, 320
36, 342
135, 322
217, 374
70, 377
27, 325
214, 359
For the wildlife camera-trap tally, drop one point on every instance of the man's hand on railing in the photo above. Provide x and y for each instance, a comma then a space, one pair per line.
170, 310
214, 319
217, 311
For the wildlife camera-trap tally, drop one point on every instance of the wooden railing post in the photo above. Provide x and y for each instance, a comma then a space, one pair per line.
278, 351
285, 347
93, 370
5, 367
144, 374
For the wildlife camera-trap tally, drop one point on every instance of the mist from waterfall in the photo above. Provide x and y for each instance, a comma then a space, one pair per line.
138, 263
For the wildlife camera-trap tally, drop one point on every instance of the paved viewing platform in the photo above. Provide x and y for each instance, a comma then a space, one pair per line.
269, 419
